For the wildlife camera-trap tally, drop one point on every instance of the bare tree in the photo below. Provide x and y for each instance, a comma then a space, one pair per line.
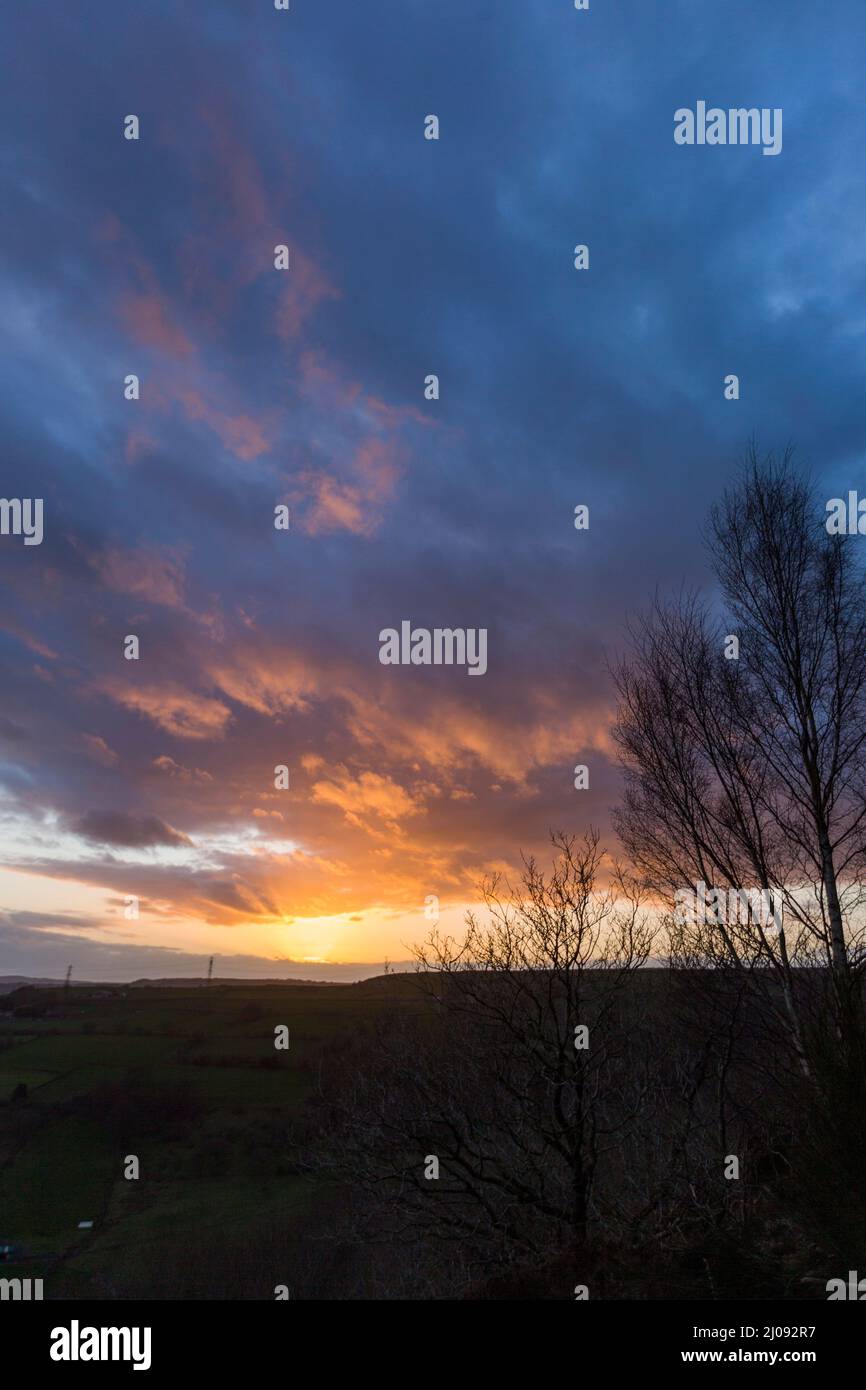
749, 771
521, 1074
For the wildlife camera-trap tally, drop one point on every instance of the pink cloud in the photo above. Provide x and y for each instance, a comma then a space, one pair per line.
170, 768
153, 573
329, 504
245, 436
147, 320
99, 750
27, 639
138, 443
305, 288
394, 416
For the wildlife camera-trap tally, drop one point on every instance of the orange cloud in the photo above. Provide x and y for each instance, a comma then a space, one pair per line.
370, 794
178, 712
269, 683
451, 735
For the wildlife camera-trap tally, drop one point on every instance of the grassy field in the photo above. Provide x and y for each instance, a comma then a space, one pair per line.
188, 1082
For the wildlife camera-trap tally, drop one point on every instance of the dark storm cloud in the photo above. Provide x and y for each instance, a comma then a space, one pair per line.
123, 828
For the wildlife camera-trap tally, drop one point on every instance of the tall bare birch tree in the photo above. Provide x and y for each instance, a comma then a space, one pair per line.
745, 759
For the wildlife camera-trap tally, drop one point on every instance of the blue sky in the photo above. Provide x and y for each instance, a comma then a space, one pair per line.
408, 257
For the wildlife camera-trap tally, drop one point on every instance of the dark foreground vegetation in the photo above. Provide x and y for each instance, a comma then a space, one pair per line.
557, 1166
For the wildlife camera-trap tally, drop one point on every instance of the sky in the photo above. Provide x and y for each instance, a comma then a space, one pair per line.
149, 784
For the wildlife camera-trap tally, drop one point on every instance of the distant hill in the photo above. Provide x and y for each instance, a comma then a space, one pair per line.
192, 981
8, 983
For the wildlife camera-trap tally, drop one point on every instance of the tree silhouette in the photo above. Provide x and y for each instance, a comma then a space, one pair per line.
750, 773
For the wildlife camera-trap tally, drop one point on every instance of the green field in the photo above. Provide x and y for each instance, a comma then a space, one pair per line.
187, 1081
